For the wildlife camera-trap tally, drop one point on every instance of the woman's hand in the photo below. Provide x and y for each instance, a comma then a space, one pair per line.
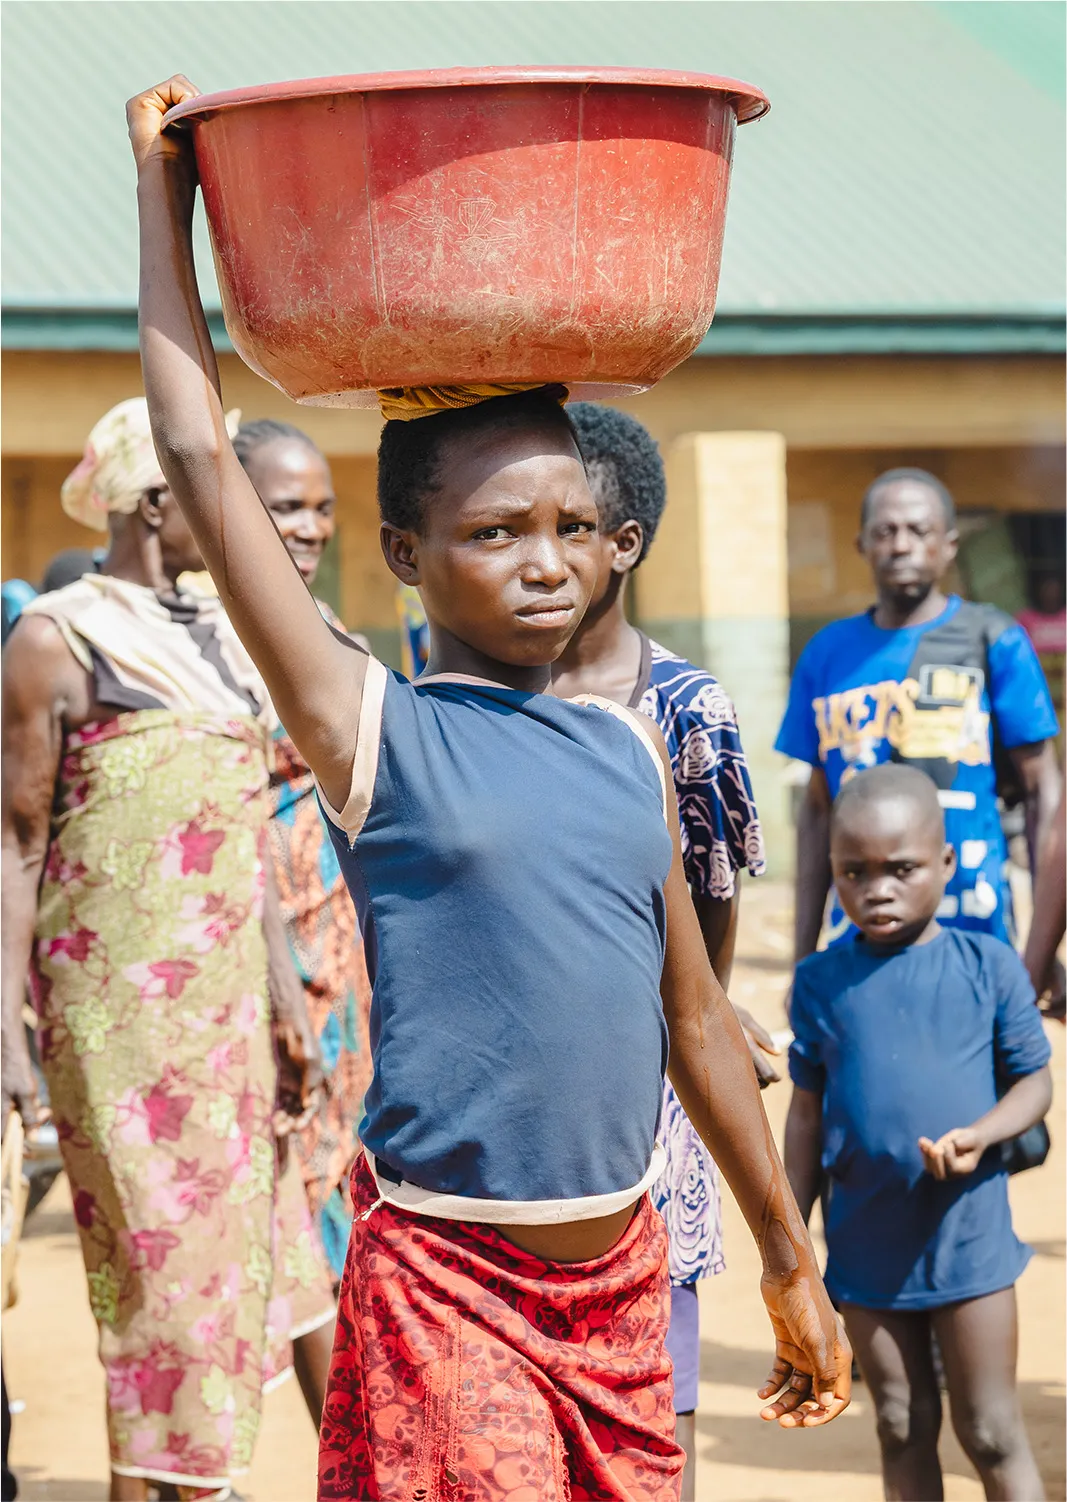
300, 1078
957, 1153
18, 1087
812, 1368
760, 1044
144, 118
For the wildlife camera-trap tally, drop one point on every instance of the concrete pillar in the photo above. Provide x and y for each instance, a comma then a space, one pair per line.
715, 589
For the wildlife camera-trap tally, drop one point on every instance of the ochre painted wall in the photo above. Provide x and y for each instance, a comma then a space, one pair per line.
51, 401
991, 427
33, 529
368, 599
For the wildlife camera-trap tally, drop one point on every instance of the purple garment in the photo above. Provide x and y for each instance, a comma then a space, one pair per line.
683, 1346
720, 836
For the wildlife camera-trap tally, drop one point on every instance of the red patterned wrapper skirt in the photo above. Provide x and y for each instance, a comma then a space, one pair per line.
467, 1370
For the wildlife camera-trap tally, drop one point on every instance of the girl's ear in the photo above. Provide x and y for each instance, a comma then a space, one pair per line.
629, 540
400, 550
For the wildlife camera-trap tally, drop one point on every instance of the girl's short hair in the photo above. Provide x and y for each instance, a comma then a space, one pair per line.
409, 453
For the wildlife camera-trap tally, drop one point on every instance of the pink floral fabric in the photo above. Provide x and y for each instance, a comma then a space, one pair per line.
150, 981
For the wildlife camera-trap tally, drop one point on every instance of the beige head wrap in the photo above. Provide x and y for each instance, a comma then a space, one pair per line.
118, 466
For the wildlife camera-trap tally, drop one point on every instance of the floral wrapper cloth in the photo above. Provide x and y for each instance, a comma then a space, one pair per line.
149, 974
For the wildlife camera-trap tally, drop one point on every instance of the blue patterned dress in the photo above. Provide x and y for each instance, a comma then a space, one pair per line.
720, 836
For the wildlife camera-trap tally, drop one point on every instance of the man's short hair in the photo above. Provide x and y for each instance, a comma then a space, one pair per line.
917, 477
624, 466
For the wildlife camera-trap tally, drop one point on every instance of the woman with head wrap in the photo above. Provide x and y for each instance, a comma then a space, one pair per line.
137, 893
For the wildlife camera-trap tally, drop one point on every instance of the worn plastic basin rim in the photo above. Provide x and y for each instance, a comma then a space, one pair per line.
749, 102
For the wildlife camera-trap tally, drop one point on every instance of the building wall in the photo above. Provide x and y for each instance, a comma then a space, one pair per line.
51, 400
992, 427
32, 526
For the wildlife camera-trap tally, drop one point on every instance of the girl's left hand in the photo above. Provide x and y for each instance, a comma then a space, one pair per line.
810, 1382
956, 1153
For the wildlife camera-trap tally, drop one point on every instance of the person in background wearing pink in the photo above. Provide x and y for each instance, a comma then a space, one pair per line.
1045, 623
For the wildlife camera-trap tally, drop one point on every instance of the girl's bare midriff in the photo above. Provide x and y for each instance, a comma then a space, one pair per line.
577, 1241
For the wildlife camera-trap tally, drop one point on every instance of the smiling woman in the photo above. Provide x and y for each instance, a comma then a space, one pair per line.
293, 480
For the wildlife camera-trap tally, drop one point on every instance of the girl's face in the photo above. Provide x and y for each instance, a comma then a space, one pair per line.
295, 485
506, 559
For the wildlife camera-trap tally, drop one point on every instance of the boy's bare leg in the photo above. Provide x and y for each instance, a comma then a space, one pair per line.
311, 1360
685, 1432
979, 1342
893, 1350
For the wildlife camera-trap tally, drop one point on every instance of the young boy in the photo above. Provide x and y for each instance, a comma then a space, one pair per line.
902, 1038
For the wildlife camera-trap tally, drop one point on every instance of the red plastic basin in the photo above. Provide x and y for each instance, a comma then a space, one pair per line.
468, 225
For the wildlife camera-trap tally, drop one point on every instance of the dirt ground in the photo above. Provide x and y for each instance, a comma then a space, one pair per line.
59, 1450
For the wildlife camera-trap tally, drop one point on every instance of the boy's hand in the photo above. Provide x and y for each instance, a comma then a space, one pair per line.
144, 118
813, 1359
956, 1153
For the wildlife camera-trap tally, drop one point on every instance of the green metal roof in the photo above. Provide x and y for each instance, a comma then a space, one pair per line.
906, 191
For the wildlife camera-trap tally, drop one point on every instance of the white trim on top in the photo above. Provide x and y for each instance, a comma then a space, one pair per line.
365, 761
416, 1201
458, 678
637, 724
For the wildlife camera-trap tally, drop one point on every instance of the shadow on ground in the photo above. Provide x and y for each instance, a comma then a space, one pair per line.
752, 1443
32, 1488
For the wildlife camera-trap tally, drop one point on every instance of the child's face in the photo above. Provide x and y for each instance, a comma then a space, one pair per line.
890, 866
506, 559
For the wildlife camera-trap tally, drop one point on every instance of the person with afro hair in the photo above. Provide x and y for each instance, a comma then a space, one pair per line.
607, 655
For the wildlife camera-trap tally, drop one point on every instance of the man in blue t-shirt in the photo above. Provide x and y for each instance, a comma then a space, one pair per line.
949, 686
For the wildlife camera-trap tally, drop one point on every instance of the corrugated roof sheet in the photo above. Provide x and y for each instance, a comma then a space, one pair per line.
912, 164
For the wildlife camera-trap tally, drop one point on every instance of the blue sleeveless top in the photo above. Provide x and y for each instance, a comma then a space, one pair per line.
507, 854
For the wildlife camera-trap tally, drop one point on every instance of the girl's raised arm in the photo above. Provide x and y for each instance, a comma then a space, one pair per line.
314, 675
